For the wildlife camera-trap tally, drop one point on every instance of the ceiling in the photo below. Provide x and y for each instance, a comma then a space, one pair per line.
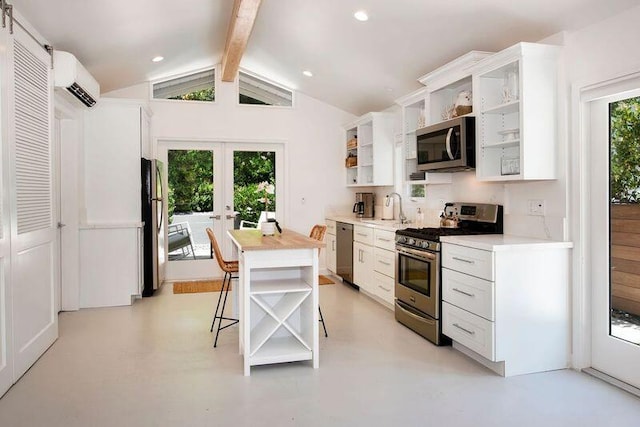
357, 66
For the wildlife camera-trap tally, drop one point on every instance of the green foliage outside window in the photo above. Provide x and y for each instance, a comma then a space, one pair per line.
625, 150
199, 95
191, 182
250, 168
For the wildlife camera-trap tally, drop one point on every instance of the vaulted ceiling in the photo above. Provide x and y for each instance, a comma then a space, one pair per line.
356, 66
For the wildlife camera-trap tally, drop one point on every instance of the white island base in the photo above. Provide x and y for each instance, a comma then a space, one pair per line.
278, 295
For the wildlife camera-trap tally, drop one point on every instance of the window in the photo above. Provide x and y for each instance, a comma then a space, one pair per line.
256, 91
193, 87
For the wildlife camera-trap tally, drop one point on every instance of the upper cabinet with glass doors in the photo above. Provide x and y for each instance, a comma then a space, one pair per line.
515, 98
369, 150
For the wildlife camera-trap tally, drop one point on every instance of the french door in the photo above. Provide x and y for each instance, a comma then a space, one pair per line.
614, 161
215, 185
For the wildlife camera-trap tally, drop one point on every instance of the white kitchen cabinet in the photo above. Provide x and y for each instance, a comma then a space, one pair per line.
363, 257
116, 137
515, 95
432, 104
369, 143
384, 265
363, 266
414, 111
330, 251
506, 301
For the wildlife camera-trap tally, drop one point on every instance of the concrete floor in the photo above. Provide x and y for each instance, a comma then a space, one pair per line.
152, 364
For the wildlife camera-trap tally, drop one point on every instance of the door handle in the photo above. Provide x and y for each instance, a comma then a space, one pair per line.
60, 225
214, 217
230, 216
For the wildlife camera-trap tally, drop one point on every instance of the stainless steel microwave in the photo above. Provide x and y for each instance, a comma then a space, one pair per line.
447, 146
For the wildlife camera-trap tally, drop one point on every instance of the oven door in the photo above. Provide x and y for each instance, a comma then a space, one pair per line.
418, 279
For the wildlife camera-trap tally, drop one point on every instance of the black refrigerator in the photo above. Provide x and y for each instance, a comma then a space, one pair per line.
152, 216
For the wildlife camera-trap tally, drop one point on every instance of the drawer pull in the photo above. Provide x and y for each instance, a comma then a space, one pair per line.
384, 240
384, 289
463, 329
384, 262
464, 260
362, 234
333, 245
463, 292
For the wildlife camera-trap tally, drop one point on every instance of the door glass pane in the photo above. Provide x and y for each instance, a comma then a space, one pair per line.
254, 187
190, 203
624, 131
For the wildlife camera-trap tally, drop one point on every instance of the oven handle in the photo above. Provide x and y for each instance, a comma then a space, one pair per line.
412, 253
415, 316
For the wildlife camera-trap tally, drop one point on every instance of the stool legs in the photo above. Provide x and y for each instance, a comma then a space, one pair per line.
215, 316
225, 290
322, 320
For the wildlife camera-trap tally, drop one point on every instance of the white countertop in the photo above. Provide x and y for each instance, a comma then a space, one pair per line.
503, 242
384, 224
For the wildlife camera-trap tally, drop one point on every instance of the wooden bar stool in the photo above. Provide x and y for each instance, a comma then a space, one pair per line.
317, 233
230, 269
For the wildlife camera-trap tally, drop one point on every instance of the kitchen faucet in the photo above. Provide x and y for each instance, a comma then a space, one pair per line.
403, 219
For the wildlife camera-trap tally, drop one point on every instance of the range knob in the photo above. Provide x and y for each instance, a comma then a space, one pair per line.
412, 241
425, 245
401, 239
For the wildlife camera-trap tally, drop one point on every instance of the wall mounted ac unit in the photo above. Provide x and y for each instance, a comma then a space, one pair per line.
74, 78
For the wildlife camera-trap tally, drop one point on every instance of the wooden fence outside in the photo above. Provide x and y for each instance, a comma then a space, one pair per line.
625, 258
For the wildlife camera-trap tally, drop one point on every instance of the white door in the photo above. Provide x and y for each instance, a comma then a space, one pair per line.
6, 341
614, 238
190, 260
226, 167
33, 227
269, 191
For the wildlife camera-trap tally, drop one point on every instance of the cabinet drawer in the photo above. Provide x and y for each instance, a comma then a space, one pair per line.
385, 262
331, 226
384, 287
385, 239
363, 234
472, 261
471, 331
468, 292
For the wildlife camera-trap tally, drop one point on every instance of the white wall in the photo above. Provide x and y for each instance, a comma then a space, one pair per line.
311, 132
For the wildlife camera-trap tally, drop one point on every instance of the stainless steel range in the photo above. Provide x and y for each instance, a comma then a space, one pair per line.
418, 285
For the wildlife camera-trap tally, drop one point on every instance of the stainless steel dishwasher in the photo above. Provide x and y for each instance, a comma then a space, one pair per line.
344, 251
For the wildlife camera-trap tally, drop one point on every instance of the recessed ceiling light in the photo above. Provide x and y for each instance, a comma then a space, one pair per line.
158, 58
307, 73
361, 15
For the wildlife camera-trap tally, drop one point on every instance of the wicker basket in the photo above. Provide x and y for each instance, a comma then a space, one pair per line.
461, 110
351, 162
352, 143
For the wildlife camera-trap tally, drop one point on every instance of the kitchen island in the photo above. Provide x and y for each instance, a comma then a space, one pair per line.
278, 297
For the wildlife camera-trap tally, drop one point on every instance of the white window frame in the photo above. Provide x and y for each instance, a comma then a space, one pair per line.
216, 85
266, 80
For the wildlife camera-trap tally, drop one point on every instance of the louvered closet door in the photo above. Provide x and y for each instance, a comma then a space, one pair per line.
6, 347
33, 278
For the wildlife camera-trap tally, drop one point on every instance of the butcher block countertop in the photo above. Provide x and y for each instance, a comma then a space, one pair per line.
253, 240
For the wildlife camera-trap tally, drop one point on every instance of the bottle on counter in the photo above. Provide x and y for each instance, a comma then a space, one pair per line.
419, 218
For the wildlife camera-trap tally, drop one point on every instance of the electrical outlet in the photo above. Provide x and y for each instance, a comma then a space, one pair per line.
536, 207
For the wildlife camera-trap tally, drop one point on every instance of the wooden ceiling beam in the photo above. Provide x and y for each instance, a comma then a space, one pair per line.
240, 27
